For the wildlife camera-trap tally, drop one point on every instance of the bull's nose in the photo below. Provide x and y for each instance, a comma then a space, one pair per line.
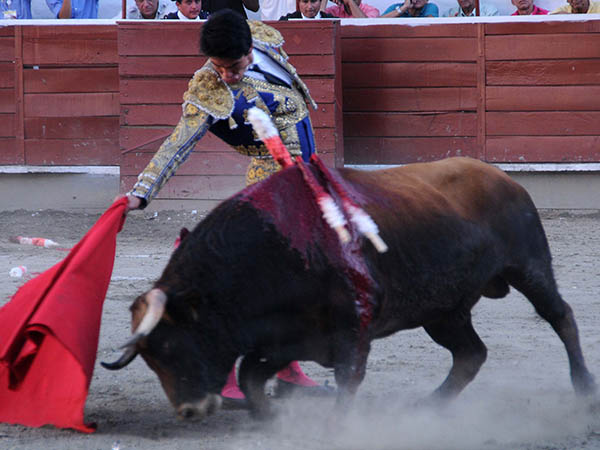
187, 412
199, 410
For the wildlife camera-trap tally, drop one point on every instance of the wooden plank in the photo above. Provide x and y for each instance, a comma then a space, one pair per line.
549, 27
7, 48
305, 38
540, 73
409, 75
152, 91
543, 98
481, 108
79, 32
72, 105
185, 66
403, 50
135, 115
72, 79
7, 75
9, 152
208, 187
76, 45
379, 150
74, 152
183, 39
7, 101
152, 137
199, 163
413, 125
159, 66
171, 90
169, 38
542, 46
131, 138
72, 128
544, 123
408, 31
537, 149
338, 112
19, 105
7, 125
7, 31
410, 99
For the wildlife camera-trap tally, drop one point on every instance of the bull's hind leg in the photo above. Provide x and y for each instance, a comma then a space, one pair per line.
540, 289
456, 333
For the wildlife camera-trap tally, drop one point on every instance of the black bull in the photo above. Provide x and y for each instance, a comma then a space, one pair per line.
263, 277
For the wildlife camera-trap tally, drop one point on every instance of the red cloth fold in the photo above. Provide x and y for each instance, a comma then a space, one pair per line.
49, 332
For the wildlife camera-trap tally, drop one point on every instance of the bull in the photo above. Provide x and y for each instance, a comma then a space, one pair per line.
263, 277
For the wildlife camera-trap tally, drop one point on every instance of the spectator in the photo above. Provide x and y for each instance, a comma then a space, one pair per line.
15, 9
412, 8
274, 9
527, 8
578, 7
346, 9
74, 9
466, 8
211, 6
147, 9
188, 10
308, 9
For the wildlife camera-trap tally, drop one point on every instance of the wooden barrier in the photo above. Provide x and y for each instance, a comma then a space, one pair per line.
11, 100
70, 93
507, 92
501, 92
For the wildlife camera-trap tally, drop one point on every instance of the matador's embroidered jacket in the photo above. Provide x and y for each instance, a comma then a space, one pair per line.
211, 104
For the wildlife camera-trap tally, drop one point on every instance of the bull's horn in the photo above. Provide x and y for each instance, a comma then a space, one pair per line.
127, 356
156, 300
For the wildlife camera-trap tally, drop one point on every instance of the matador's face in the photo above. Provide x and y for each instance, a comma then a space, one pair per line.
232, 71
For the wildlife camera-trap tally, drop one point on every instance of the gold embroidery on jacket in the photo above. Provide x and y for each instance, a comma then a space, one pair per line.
265, 34
259, 169
207, 92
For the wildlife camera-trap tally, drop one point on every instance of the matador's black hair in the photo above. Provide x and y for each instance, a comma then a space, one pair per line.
226, 34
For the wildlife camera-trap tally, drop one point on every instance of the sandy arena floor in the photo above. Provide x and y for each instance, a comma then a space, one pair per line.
522, 398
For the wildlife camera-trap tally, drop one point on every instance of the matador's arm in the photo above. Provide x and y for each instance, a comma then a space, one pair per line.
174, 150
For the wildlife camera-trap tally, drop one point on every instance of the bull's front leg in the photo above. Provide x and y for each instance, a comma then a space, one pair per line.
349, 374
253, 375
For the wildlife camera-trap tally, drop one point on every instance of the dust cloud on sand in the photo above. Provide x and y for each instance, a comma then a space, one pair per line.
522, 398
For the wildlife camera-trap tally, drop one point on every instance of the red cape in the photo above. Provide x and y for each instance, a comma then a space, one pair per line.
49, 332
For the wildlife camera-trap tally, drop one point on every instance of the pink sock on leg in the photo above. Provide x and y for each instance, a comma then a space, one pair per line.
294, 374
231, 388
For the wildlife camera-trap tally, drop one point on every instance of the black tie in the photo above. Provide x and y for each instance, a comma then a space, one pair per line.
269, 76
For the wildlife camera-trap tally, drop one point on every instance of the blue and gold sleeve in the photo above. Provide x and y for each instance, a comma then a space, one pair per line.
172, 153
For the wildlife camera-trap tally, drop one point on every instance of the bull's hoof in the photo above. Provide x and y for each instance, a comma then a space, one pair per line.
285, 389
234, 403
263, 413
585, 385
